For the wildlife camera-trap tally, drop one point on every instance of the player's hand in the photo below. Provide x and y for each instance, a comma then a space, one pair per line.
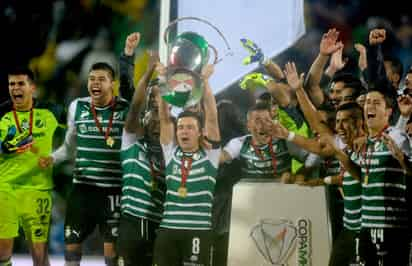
336, 61
274, 69
377, 36
207, 71
278, 131
405, 105
359, 143
362, 62
313, 182
132, 41
295, 80
153, 59
45, 162
393, 148
255, 80
287, 178
329, 44
160, 69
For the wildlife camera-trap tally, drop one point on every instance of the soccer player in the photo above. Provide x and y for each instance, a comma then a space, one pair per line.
143, 184
262, 155
185, 236
26, 133
95, 126
349, 126
381, 166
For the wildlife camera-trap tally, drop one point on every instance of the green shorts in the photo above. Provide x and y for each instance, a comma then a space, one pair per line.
30, 209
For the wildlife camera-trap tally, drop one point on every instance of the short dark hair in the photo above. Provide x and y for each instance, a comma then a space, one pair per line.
342, 76
260, 106
396, 64
357, 111
22, 71
103, 66
388, 96
194, 115
357, 86
265, 97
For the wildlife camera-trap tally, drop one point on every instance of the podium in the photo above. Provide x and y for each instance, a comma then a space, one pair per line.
278, 224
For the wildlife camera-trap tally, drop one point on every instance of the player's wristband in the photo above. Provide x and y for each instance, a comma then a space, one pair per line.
291, 136
327, 180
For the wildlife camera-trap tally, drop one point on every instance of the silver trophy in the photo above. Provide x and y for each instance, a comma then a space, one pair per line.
187, 53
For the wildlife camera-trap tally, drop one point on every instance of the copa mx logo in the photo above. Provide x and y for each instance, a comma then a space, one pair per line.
276, 239
303, 248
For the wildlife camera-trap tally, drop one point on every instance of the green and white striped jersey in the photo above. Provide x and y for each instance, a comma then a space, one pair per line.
383, 180
255, 166
352, 202
143, 188
97, 163
193, 211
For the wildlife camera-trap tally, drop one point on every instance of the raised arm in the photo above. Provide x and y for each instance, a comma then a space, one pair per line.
137, 105
309, 110
353, 169
328, 46
376, 73
167, 133
126, 64
279, 90
209, 106
311, 145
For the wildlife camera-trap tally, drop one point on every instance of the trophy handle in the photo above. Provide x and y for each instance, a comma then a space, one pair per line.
216, 59
174, 22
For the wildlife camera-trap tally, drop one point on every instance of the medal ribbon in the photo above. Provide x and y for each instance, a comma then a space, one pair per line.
98, 125
16, 119
367, 161
271, 152
185, 170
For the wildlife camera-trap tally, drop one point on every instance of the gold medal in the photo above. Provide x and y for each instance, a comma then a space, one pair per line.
366, 180
182, 192
110, 142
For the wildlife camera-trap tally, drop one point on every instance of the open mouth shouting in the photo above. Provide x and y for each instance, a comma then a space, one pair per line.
96, 91
18, 97
370, 115
184, 139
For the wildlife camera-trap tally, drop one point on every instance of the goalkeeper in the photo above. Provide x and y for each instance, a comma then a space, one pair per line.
278, 96
26, 133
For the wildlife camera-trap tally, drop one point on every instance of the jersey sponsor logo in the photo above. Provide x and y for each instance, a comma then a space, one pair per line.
118, 116
68, 231
274, 239
262, 164
39, 123
84, 114
25, 125
83, 129
38, 232
198, 171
